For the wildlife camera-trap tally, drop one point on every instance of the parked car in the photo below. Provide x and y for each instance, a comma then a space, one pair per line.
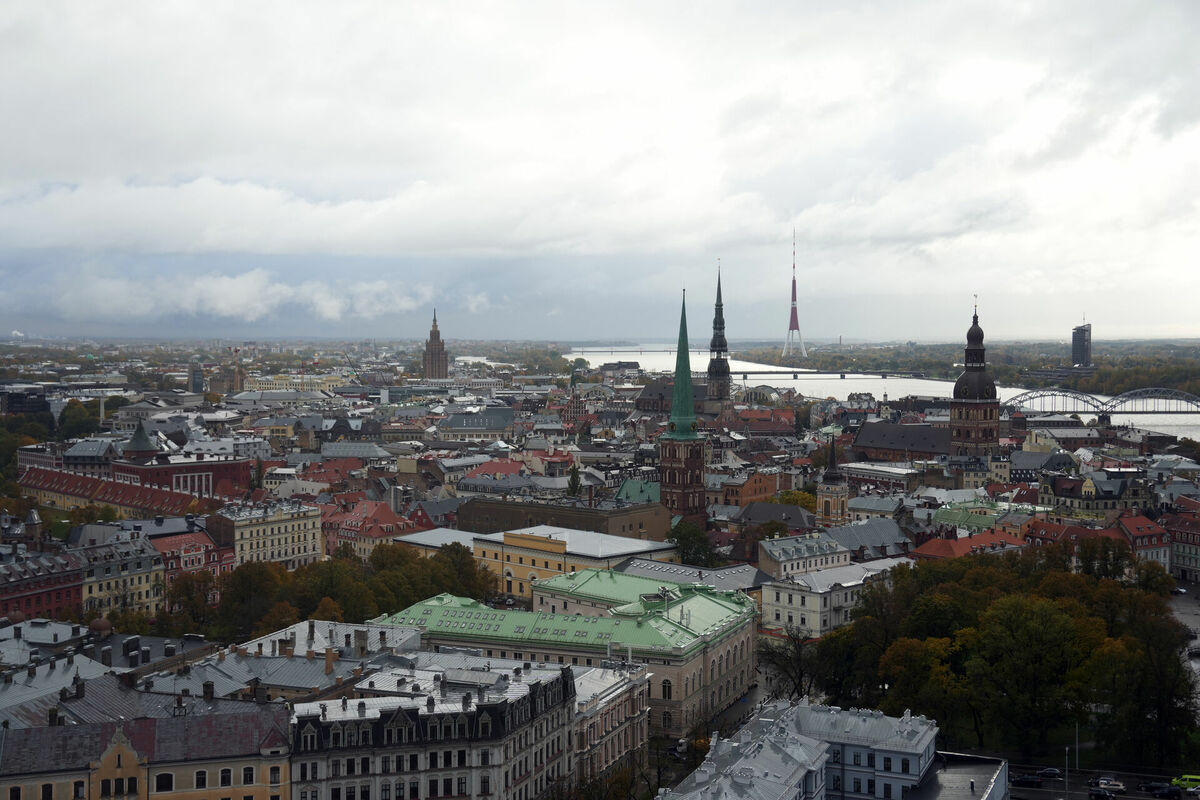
1116, 787
1168, 792
1025, 780
1100, 779
1050, 774
1100, 793
1152, 786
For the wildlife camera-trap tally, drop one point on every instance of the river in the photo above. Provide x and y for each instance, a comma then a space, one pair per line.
657, 358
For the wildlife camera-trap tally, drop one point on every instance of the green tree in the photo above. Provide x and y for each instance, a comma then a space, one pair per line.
247, 594
693, 545
280, 615
790, 659
574, 484
795, 497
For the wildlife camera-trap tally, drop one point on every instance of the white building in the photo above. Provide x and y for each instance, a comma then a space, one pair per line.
814, 603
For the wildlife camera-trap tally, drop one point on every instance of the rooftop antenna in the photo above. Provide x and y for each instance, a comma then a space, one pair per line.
791, 343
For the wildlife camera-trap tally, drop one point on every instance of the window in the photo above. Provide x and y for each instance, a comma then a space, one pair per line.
485, 757
887, 790
666, 689
887, 763
462, 787
47, 791
132, 787
227, 777
247, 776
105, 790
835, 781
870, 786
904, 765
164, 782
274, 776
858, 785
857, 761
485, 784
870, 759
200, 781
433, 784
447, 786
77, 790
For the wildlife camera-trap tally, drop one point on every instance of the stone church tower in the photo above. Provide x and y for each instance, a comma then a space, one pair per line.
681, 448
435, 364
974, 409
833, 494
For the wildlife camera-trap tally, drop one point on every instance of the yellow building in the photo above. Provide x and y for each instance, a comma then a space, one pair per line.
194, 756
522, 556
285, 532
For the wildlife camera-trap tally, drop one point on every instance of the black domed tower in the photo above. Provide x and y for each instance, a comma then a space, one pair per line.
974, 409
718, 365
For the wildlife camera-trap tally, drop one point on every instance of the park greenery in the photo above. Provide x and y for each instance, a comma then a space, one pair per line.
1010, 652
260, 597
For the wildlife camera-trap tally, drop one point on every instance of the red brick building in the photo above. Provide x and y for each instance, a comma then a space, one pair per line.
40, 584
199, 475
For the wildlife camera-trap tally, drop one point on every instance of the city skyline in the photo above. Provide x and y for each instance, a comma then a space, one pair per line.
559, 172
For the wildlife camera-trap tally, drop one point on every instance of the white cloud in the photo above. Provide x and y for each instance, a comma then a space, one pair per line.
1048, 153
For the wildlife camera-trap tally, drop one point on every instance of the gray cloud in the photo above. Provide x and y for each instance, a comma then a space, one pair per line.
355, 164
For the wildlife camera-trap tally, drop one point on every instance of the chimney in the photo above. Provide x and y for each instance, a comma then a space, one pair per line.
362, 708
312, 629
209, 690
309, 654
258, 651
220, 655
16, 628
466, 701
329, 658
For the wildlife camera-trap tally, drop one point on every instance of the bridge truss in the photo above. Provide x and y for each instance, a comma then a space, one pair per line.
1136, 401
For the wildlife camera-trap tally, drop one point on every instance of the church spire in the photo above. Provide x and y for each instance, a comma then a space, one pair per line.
718, 345
683, 414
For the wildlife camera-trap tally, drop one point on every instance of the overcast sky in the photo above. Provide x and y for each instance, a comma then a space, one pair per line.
561, 170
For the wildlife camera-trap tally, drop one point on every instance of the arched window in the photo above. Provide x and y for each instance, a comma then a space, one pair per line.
666, 689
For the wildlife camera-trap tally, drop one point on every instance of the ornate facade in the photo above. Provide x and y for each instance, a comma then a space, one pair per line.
435, 365
974, 409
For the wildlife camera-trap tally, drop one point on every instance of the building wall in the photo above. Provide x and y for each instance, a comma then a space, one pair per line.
286, 533
524, 558
642, 521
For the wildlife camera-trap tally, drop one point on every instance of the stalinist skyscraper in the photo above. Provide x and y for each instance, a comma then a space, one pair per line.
435, 364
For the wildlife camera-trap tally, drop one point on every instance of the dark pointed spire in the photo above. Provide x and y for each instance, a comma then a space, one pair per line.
718, 345
832, 473
683, 415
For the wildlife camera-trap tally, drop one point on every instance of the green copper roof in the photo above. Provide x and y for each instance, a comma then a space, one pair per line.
683, 414
635, 491
140, 443
614, 588
683, 626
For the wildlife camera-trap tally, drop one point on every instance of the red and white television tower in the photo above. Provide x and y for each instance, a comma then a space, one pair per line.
794, 341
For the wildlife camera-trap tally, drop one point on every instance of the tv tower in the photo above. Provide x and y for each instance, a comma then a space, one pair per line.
791, 343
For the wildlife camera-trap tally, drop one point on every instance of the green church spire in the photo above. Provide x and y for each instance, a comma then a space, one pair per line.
683, 414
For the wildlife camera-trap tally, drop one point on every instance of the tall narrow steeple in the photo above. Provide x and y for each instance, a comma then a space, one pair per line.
794, 340
683, 414
718, 364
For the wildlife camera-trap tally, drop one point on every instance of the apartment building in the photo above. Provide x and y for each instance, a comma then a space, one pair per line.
286, 532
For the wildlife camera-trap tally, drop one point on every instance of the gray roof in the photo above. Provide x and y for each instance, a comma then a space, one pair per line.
589, 544
807, 545
822, 580
438, 537
739, 576
879, 537
353, 450
917, 438
792, 516
34, 751
881, 505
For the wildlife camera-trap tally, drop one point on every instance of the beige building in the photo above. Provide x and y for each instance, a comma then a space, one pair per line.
814, 603
697, 642
285, 532
523, 556
294, 383
125, 575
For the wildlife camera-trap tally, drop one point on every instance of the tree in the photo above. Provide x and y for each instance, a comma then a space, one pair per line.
795, 497
693, 545
281, 615
790, 660
328, 609
247, 594
188, 597
574, 484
